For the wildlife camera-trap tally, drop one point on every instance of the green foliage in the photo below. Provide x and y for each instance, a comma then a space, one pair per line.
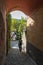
15, 25
18, 26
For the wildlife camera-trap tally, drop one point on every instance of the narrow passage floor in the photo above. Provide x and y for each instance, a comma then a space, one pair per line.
14, 57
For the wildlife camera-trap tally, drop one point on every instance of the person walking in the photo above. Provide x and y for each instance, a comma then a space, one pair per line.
20, 44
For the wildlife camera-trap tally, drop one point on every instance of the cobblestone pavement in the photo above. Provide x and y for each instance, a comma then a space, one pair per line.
16, 58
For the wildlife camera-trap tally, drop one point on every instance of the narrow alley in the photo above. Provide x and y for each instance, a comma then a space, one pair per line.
15, 57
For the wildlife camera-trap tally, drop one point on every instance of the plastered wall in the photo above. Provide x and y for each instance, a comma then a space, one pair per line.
2, 34
35, 28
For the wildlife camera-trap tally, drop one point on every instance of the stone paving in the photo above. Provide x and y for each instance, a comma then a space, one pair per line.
15, 57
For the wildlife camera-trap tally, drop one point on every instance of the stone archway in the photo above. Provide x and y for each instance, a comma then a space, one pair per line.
2, 39
35, 34
35, 37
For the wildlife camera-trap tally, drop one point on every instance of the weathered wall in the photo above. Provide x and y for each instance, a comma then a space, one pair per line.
27, 6
35, 28
2, 32
35, 35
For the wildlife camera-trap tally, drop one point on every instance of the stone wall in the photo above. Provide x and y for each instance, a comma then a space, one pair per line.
35, 28
35, 35
2, 33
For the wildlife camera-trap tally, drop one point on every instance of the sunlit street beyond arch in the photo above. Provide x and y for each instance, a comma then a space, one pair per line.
14, 44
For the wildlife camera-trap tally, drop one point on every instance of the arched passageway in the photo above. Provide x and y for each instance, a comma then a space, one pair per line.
34, 34
34, 48
34, 9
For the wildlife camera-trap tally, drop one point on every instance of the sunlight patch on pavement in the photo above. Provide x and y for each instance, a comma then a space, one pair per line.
15, 47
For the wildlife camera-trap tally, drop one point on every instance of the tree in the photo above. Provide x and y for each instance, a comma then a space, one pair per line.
18, 26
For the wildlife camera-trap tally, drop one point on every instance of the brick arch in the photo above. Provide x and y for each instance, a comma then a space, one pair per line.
2, 39
27, 6
17, 5
20, 9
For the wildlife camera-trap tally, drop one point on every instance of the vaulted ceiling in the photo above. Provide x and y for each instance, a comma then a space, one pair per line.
24, 5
